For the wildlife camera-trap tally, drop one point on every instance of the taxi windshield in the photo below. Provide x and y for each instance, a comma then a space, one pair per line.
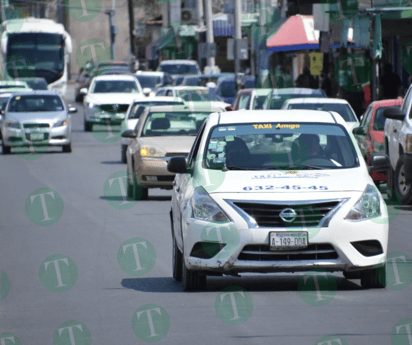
173, 123
282, 146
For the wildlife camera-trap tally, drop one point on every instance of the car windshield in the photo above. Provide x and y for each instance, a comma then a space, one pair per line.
259, 102
115, 86
138, 107
197, 95
343, 110
35, 103
37, 84
228, 88
278, 99
3, 101
283, 146
179, 69
173, 123
379, 123
149, 81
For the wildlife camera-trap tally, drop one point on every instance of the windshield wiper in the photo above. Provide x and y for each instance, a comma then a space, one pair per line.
308, 167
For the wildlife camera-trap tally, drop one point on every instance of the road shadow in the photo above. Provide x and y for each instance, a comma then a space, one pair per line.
250, 283
112, 162
150, 198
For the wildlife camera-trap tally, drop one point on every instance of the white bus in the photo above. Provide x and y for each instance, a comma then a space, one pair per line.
42, 48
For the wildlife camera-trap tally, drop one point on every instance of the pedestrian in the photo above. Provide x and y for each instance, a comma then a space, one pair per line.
306, 79
327, 84
390, 83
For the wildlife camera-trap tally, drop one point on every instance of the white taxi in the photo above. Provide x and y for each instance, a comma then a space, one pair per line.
276, 191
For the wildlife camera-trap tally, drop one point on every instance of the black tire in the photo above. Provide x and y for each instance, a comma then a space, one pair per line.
352, 275
139, 192
123, 153
5, 149
177, 259
192, 280
391, 186
67, 148
86, 126
403, 189
129, 189
374, 278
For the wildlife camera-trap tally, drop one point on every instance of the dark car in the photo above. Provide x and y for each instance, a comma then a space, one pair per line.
36, 83
226, 87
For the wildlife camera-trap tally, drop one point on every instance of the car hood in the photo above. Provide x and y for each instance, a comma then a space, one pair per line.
275, 181
49, 117
113, 98
175, 144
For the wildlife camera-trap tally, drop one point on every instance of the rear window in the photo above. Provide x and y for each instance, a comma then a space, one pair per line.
179, 68
342, 109
278, 100
379, 123
228, 88
138, 107
115, 86
173, 123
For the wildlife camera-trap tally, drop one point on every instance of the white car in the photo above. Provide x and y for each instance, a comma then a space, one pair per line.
193, 94
276, 191
341, 106
150, 81
134, 112
179, 67
108, 98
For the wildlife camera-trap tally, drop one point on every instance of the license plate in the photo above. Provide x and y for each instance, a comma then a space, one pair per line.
288, 240
37, 136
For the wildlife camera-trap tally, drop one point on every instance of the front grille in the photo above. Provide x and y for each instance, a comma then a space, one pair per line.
114, 108
166, 178
176, 154
259, 252
268, 215
36, 125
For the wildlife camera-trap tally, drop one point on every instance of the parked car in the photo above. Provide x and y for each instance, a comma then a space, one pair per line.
277, 97
250, 99
13, 86
226, 87
341, 106
108, 99
200, 80
136, 109
193, 94
370, 133
161, 133
261, 192
398, 145
36, 118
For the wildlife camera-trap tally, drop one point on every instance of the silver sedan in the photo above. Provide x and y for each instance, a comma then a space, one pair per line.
37, 118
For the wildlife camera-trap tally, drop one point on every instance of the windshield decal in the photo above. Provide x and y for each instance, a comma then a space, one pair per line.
290, 126
263, 126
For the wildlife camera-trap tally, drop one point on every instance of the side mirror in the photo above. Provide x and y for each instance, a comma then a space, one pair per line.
147, 90
83, 91
2, 112
379, 162
72, 110
177, 165
361, 118
130, 133
358, 131
394, 114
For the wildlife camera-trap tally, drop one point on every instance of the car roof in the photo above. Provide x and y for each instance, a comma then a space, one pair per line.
116, 77
232, 78
159, 99
38, 92
188, 87
387, 103
153, 73
179, 62
207, 107
13, 82
315, 100
270, 116
297, 90
259, 92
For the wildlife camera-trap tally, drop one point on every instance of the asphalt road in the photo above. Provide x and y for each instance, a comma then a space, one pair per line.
69, 282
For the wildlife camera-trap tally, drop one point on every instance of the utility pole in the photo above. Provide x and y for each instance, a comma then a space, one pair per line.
111, 13
131, 26
238, 37
209, 32
199, 13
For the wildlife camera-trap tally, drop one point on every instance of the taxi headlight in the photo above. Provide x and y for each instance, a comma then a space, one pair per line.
13, 124
368, 206
150, 151
205, 208
60, 123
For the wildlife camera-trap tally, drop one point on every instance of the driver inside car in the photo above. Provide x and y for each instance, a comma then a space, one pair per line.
307, 146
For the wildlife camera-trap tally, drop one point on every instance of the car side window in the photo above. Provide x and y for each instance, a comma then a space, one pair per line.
169, 93
195, 148
244, 101
160, 93
406, 101
365, 117
368, 119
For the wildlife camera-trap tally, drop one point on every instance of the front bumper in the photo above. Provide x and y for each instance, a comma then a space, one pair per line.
152, 173
54, 136
338, 237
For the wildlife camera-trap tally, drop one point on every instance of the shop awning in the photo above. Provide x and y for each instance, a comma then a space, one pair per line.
296, 33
